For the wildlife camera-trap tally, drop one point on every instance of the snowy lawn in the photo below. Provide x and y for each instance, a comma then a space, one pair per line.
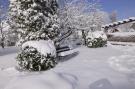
88, 69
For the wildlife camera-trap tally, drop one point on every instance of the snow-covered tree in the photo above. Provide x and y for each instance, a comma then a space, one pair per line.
10, 37
82, 15
35, 20
113, 16
1, 26
97, 19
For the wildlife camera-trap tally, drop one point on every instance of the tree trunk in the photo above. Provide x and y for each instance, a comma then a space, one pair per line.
2, 36
84, 37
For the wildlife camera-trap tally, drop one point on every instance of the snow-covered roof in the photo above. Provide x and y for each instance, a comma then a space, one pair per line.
131, 19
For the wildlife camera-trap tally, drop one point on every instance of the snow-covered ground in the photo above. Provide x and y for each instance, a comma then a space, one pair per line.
89, 68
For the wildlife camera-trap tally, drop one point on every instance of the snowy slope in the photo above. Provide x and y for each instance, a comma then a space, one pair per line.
88, 69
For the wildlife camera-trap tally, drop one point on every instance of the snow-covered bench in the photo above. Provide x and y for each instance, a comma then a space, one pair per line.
64, 51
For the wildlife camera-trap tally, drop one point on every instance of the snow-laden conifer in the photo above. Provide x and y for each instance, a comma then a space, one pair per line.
35, 20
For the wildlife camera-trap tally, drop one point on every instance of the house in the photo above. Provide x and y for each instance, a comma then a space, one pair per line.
121, 31
126, 25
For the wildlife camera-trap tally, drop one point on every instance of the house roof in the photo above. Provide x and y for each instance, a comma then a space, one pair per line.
131, 19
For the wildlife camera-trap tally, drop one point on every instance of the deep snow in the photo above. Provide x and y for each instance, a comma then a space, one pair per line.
88, 69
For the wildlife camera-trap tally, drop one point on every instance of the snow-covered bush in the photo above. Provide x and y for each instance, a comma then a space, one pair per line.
96, 39
37, 56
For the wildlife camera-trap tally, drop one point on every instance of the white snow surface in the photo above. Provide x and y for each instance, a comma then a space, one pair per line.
90, 69
46, 80
123, 63
43, 46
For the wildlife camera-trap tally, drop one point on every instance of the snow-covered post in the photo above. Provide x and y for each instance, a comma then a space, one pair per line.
35, 20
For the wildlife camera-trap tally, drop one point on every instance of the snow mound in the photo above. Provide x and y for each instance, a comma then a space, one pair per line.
123, 63
43, 46
47, 80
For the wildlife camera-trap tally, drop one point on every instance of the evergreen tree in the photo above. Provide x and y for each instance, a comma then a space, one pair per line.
34, 19
1, 26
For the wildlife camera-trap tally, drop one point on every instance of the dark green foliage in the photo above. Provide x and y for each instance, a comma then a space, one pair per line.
34, 19
96, 42
31, 59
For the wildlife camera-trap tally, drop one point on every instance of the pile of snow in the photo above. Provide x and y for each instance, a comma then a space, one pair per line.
123, 63
43, 46
46, 80
97, 34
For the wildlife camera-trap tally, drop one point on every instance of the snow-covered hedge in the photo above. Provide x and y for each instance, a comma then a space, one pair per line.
96, 39
37, 56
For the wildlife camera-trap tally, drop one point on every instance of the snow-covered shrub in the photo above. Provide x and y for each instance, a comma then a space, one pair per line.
96, 39
37, 56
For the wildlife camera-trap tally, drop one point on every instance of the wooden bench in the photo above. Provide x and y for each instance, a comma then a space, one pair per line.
64, 51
